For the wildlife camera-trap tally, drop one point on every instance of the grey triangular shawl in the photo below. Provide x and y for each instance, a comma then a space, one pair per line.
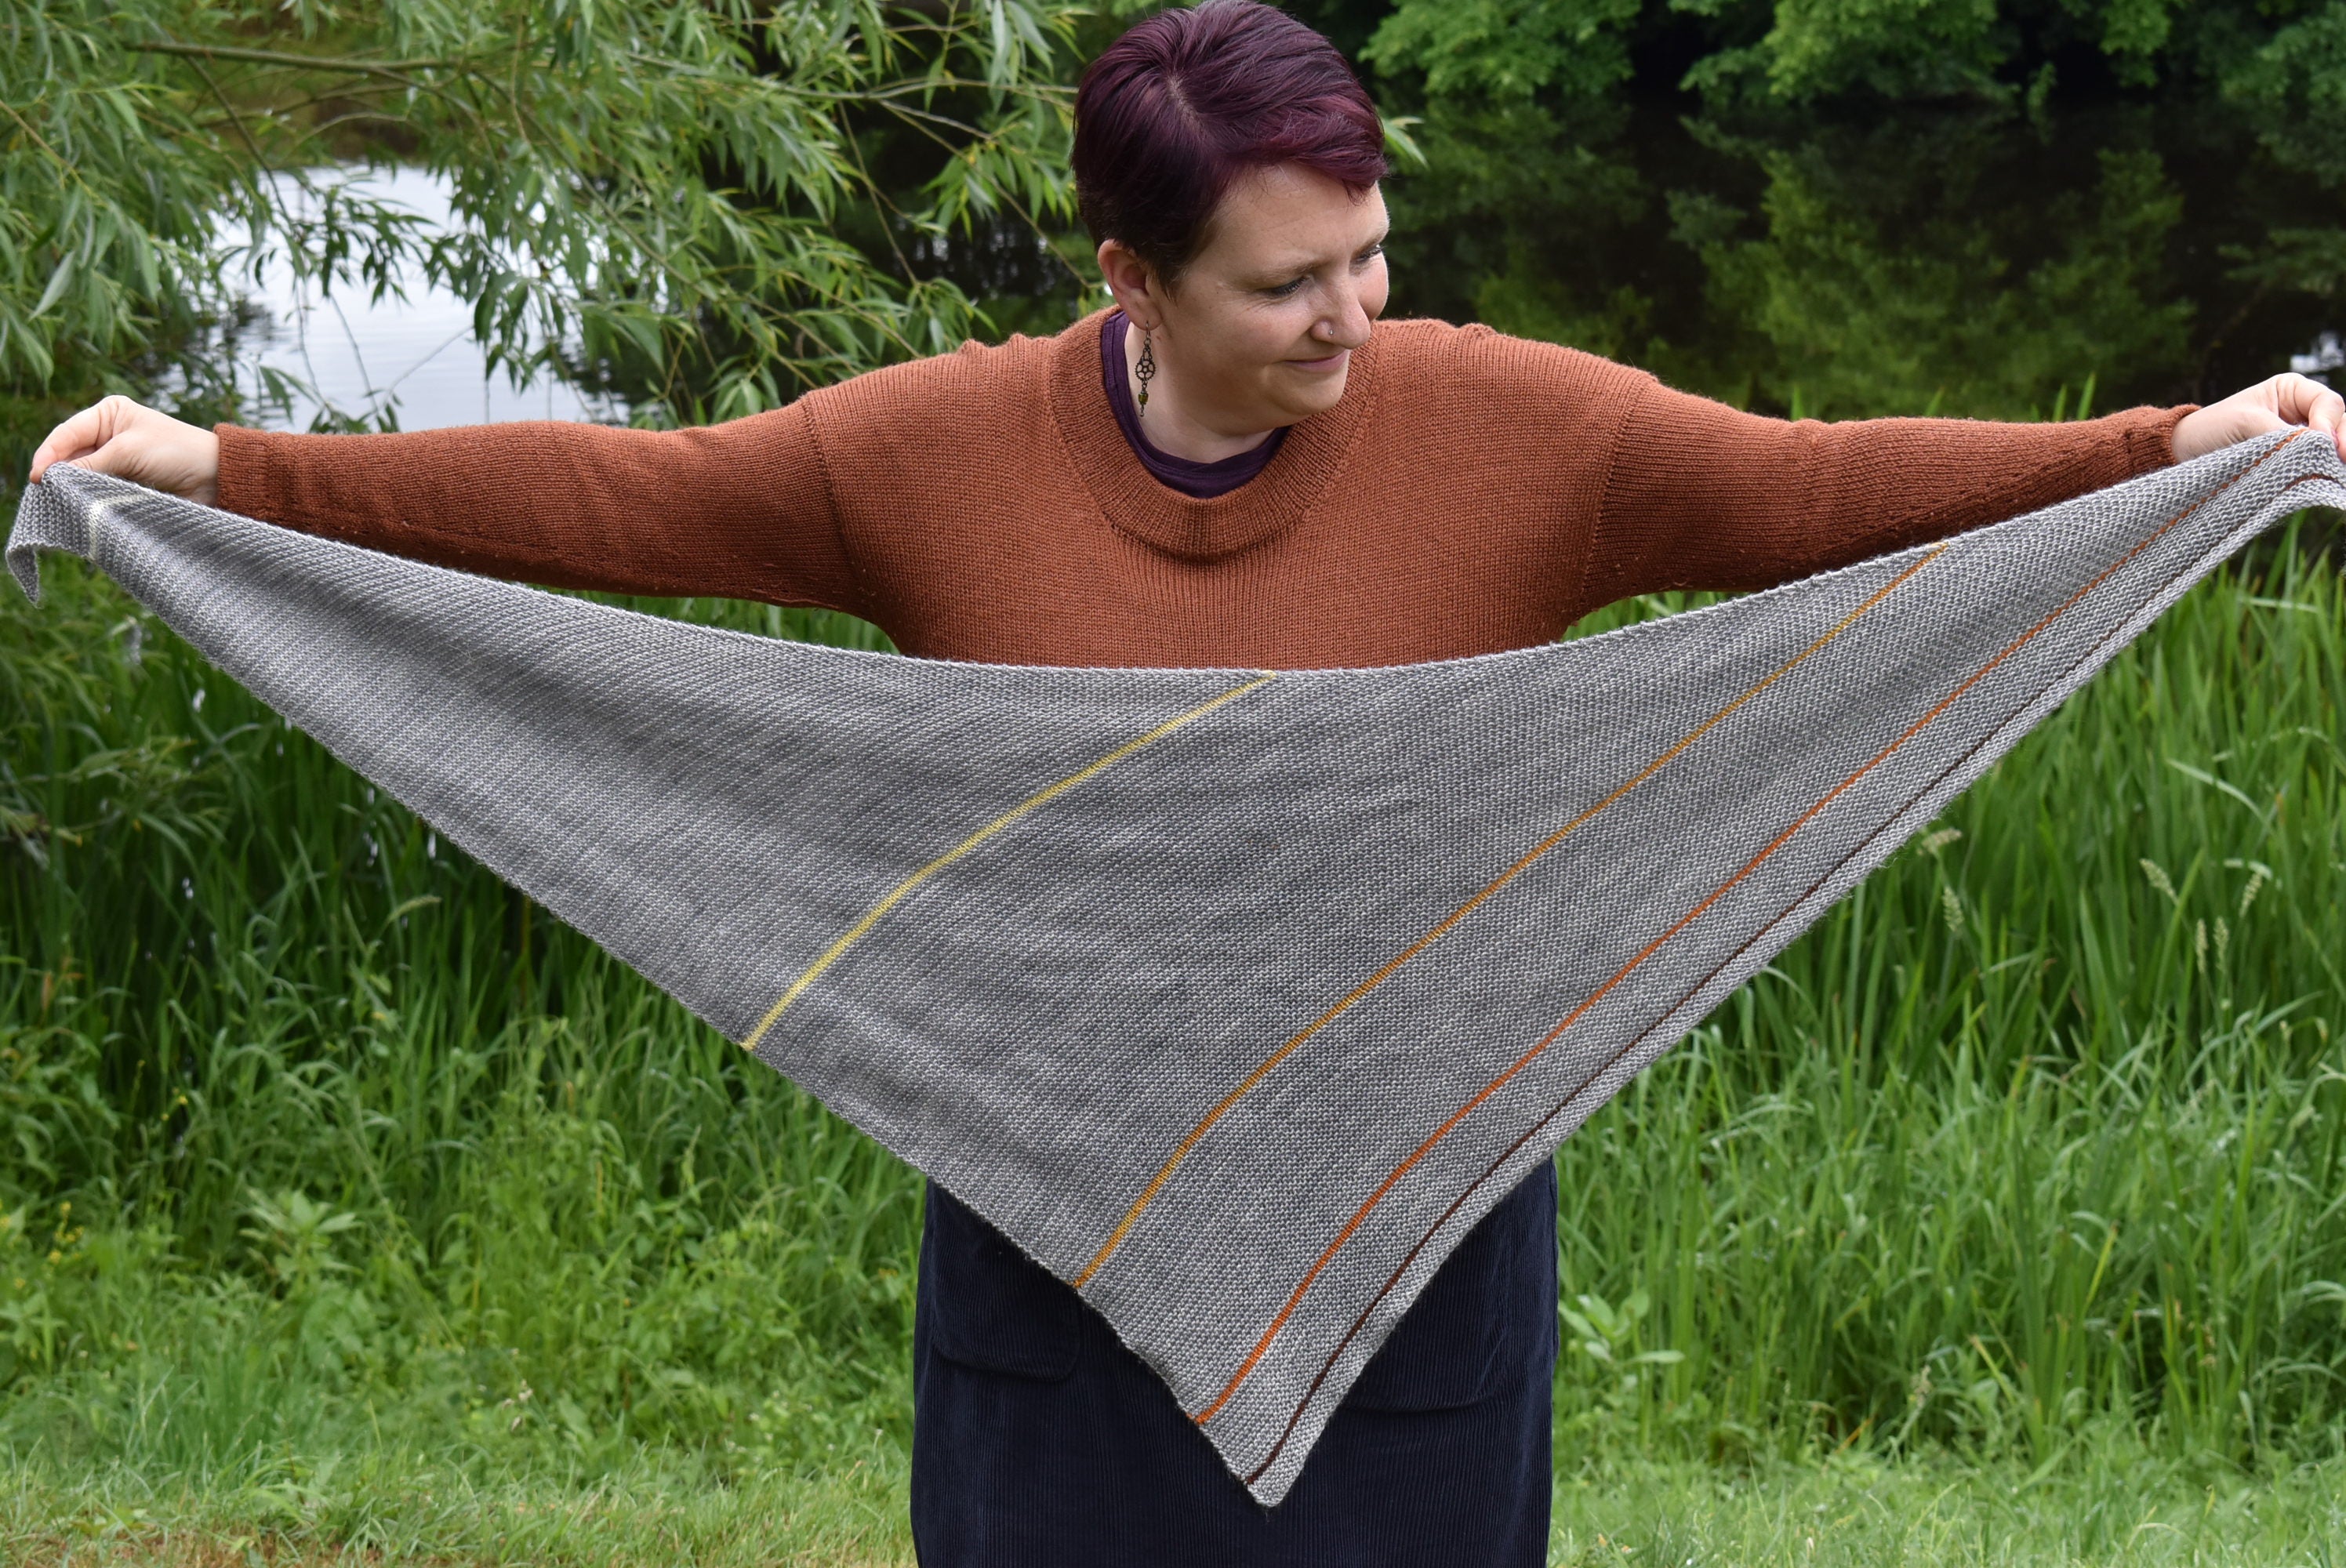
1236, 996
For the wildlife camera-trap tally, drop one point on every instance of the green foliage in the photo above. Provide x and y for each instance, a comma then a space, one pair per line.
1508, 48
2046, 1125
1863, 305
108, 184
1953, 264
1816, 48
1879, 206
655, 188
2297, 82
1813, 52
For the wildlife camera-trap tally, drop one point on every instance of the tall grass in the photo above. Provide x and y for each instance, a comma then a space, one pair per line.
309, 1110
315, 1135
2045, 1124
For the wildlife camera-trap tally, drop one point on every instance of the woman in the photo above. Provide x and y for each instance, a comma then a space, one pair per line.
1237, 464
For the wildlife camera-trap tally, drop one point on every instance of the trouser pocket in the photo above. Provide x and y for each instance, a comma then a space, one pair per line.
988, 1305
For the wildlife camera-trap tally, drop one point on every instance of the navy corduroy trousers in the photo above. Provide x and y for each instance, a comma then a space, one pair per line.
1040, 1441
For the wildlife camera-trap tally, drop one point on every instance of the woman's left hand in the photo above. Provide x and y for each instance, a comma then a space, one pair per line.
2269, 406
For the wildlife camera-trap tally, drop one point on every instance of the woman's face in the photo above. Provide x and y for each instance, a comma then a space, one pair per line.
1259, 328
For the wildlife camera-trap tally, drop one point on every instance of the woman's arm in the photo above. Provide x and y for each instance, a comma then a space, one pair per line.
1702, 496
739, 510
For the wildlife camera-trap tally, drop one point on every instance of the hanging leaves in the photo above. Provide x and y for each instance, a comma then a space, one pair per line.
654, 187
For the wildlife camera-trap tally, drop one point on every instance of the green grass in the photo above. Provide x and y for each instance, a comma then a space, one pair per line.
349, 1201
2126, 1506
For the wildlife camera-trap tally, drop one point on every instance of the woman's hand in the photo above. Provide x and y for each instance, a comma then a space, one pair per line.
133, 442
2269, 406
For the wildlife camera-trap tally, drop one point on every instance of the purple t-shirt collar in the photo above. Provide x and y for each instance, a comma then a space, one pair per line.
1202, 480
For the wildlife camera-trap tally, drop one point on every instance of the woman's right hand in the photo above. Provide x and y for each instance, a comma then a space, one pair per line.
133, 442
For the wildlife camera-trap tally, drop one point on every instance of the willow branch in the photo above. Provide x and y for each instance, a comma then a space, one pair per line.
397, 70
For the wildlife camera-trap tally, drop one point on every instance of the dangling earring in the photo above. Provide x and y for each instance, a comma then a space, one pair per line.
1146, 369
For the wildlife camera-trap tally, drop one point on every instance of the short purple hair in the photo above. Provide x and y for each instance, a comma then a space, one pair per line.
1188, 101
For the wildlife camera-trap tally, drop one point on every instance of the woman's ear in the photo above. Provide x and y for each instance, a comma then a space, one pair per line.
1134, 283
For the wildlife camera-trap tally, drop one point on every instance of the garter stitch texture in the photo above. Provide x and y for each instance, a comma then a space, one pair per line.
1236, 996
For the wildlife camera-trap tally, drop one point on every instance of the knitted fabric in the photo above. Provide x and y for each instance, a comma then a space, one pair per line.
1233, 996
1471, 493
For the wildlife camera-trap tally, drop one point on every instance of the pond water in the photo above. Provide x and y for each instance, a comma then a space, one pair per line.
1982, 263
409, 353
1978, 261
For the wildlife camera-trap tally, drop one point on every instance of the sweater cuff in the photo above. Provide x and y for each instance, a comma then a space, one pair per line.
2150, 437
251, 482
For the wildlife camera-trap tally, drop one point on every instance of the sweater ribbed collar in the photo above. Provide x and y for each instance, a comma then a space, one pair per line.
1135, 503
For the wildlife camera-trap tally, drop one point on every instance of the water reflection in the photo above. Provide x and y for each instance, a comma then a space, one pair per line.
1984, 263
407, 357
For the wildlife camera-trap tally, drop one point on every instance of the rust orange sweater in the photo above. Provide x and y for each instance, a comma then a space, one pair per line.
1471, 493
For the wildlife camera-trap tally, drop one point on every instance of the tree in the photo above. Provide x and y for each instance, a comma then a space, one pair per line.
655, 186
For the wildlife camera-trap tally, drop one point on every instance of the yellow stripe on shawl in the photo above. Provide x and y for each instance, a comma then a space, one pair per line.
903, 890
